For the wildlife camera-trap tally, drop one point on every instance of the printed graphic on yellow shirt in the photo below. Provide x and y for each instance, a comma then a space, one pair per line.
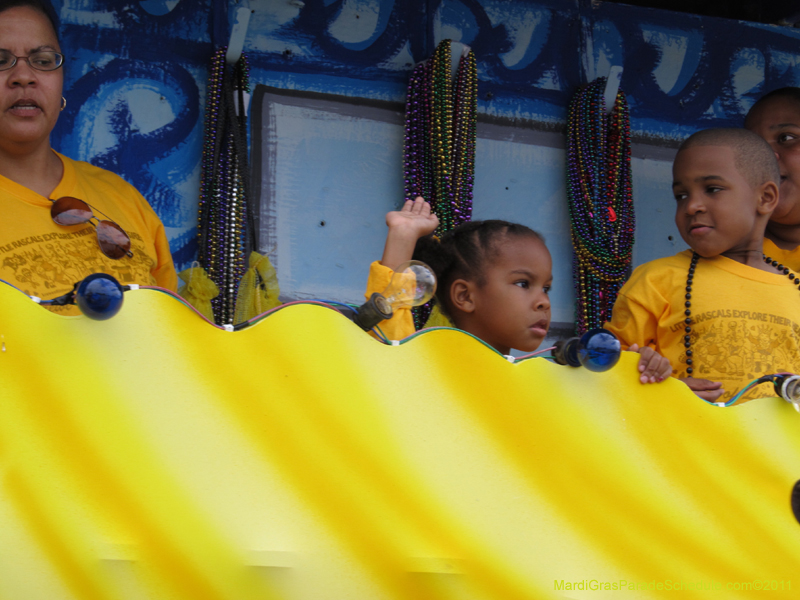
53, 263
731, 346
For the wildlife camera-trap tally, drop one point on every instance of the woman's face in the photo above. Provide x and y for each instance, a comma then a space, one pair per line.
777, 120
30, 100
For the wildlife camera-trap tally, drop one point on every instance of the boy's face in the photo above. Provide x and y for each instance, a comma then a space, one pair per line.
718, 211
778, 121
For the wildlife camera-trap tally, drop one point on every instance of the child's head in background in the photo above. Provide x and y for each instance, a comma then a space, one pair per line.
725, 182
493, 282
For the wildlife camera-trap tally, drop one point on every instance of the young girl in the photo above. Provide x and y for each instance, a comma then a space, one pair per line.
776, 118
493, 277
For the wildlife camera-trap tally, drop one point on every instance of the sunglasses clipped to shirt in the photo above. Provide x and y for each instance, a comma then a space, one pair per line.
113, 240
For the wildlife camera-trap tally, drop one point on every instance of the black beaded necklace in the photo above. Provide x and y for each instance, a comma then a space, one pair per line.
687, 338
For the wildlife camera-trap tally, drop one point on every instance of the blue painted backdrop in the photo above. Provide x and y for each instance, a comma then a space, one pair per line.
135, 85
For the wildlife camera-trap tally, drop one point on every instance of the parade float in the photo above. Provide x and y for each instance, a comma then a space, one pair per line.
154, 455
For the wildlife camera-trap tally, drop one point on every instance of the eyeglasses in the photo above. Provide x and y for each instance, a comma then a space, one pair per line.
44, 60
113, 240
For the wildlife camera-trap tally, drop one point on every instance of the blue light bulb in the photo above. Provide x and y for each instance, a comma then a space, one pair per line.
99, 296
598, 350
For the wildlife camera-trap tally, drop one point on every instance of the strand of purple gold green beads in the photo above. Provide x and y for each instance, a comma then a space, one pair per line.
440, 130
439, 143
600, 201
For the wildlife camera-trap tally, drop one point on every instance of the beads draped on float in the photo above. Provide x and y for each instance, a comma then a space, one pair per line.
225, 230
439, 145
600, 202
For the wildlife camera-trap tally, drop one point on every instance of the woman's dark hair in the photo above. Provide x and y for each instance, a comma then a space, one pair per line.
792, 93
464, 252
42, 6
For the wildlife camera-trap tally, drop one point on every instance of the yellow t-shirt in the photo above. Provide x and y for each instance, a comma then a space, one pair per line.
44, 259
789, 258
745, 321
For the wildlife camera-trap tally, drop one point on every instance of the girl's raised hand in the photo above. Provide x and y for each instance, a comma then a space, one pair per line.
406, 226
415, 219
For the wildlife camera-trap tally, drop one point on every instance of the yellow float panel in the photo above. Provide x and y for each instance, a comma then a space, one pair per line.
153, 456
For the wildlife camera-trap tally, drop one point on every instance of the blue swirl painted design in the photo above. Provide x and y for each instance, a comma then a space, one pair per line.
681, 72
105, 89
158, 8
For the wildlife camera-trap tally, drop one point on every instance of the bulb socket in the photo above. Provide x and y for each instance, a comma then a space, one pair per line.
372, 312
788, 388
566, 352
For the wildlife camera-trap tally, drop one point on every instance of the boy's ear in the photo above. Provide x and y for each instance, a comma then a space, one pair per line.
768, 197
461, 295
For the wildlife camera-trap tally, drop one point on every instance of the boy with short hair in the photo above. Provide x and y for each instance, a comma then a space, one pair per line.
720, 312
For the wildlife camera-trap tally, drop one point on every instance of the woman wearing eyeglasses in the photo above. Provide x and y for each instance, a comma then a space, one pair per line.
61, 219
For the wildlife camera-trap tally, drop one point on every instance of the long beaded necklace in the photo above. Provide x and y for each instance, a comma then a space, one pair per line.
440, 131
687, 338
439, 143
225, 225
600, 202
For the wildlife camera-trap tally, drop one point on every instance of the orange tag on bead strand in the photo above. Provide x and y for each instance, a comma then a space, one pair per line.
612, 216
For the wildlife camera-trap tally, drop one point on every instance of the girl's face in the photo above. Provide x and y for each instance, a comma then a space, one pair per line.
30, 100
778, 121
512, 307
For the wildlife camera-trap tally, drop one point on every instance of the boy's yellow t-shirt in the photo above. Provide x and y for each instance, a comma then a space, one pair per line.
745, 321
789, 258
44, 259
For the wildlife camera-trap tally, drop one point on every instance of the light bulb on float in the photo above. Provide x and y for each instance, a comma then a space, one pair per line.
787, 386
597, 350
99, 296
412, 284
